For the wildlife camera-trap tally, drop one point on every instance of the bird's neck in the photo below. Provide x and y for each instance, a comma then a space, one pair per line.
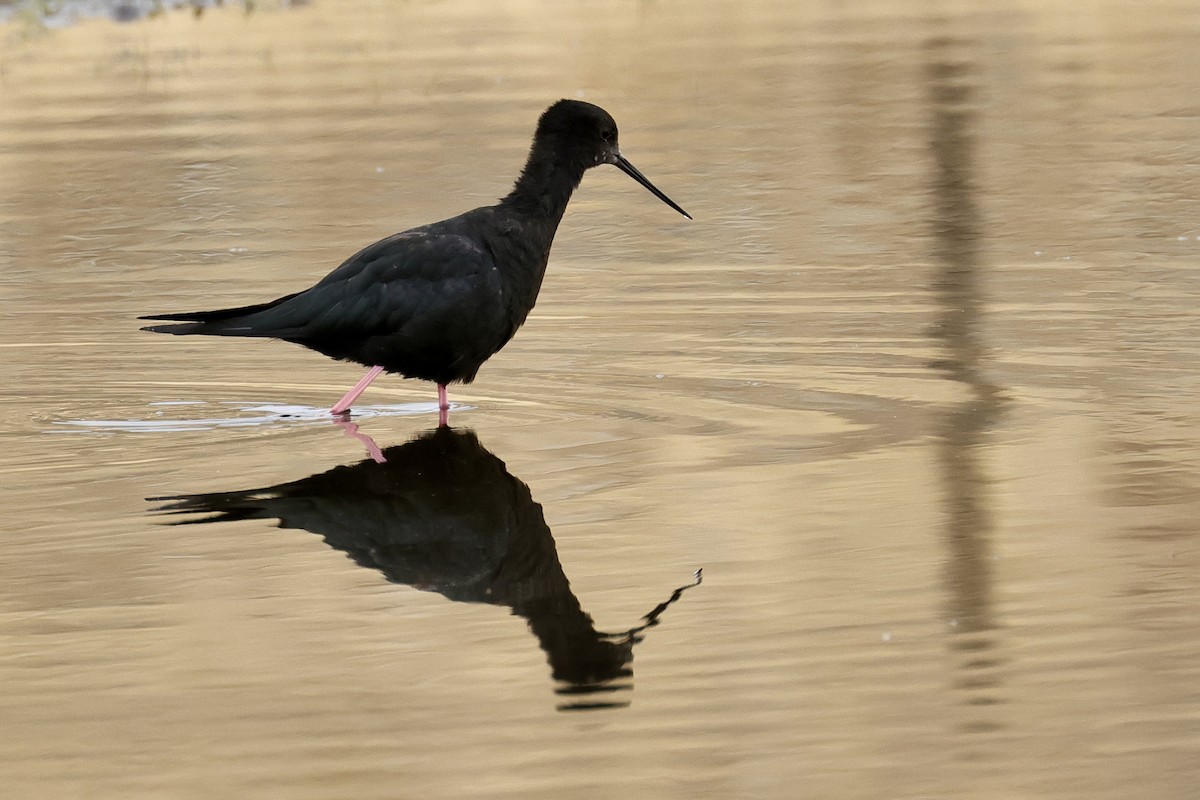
545, 185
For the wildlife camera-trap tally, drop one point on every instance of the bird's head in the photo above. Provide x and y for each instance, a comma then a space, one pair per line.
586, 135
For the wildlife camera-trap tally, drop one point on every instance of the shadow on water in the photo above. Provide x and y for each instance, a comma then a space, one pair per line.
443, 514
956, 236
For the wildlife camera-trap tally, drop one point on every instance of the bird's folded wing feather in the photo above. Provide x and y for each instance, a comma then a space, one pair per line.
418, 276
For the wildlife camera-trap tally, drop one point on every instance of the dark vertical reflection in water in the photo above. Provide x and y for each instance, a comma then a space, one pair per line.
956, 228
443, 514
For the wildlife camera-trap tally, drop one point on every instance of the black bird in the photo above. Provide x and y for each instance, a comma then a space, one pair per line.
436, 301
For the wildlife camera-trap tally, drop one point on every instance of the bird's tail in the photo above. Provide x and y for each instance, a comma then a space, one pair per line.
222, 322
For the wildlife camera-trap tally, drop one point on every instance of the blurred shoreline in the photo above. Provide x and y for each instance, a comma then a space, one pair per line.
63, 13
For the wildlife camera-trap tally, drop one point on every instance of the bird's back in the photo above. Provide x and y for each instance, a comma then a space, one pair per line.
432, 302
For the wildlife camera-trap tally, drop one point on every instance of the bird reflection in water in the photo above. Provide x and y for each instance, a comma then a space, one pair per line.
443, 514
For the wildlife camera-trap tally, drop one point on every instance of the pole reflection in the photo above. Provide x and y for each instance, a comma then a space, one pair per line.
443, 514
961, 437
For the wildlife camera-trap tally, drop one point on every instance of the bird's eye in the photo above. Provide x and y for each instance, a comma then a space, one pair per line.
608, 134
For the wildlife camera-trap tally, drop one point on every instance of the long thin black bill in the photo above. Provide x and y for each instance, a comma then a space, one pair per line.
631, 171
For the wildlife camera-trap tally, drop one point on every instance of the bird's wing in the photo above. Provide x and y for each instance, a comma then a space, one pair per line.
422, 276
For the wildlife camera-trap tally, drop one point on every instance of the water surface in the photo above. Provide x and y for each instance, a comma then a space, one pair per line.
916, 390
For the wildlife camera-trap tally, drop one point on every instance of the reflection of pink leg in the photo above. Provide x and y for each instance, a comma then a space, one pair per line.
343, 405
351, 430
443, 406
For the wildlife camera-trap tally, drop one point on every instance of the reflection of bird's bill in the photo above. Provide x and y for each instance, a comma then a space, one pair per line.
652, 618
588, 694
623, 164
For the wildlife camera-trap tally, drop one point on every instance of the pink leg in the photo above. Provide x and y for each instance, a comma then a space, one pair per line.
343, 405
443, 406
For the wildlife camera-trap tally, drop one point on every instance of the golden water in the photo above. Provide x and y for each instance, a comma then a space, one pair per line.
917, 390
